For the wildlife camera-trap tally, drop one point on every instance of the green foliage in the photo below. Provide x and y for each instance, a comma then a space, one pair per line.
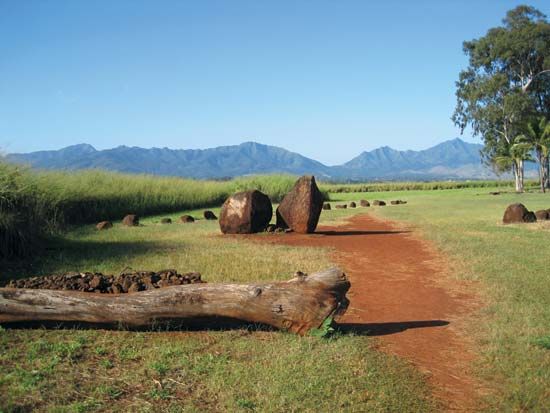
333, 188
324, 330
505, 83
543, 342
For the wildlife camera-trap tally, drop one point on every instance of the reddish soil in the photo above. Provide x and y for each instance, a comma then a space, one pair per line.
402, 293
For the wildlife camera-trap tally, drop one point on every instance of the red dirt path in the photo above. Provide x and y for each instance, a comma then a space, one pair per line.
401, 293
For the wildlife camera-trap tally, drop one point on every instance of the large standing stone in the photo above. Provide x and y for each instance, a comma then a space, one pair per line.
301, 207
245, 213
517, 213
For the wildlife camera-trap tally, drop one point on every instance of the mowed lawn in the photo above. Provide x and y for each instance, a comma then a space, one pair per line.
512, 265
251, 370
237, 370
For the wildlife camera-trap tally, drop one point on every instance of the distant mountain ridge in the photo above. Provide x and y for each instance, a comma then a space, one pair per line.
452, 159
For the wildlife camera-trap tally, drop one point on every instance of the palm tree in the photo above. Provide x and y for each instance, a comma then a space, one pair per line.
537, 137
513, 157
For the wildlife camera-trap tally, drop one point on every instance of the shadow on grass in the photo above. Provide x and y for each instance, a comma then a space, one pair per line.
228, 324
383, 329
57, 252
340, 233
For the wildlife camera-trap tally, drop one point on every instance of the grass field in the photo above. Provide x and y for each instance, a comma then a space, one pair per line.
249, 370
240, 370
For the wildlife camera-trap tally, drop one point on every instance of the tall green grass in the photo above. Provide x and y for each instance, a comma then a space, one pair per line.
34, 203
420, 186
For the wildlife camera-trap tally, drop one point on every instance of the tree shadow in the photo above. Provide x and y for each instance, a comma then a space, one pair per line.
341, 233
383, 329
80, 252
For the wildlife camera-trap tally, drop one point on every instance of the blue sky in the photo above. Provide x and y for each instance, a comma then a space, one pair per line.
328, 79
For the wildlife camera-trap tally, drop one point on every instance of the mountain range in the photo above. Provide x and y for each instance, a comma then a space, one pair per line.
452, 159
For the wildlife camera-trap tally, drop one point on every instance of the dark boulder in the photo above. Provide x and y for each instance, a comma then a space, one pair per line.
187, 219
301, 207
364, 203
517, 213
131, 220
104, 225
343, 206
542, 215
245, 213
165, 221
398, 202
209, 215
327, 207
352, 204
377, 202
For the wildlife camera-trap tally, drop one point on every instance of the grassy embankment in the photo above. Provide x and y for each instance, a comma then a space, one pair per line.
511, 265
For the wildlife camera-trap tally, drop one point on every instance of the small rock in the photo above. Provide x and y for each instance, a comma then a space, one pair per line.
209, 215
517, 213
103, 225
377, 202
344, 206
352, 204
542, 215
166, 221
131, 220
134, 288
364, 203
187, 219
326, 206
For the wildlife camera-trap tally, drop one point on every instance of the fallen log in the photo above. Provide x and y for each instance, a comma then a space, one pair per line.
298, 305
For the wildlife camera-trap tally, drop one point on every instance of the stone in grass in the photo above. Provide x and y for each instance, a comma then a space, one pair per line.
326, 207
343, 206
542, 215
187, 219
209, 215
103, 225
398, 202
364, 203
301, 207
352, 204
166, 221
517, 213
377, 202
245, 213
131, 220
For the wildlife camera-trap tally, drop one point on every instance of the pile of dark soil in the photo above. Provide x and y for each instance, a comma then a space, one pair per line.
126, 282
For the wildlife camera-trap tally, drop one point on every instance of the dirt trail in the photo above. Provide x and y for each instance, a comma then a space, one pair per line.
401, 293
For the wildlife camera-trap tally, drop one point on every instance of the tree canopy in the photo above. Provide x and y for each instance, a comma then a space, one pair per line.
507, 81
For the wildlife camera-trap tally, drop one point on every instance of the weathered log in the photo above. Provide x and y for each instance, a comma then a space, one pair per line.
297, 305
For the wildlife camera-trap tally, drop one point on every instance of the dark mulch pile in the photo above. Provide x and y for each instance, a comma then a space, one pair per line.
126, 282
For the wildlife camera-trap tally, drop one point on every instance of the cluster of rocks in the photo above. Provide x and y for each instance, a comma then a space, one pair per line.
126, 282
363, 203
132, 220
518, 213
251, 211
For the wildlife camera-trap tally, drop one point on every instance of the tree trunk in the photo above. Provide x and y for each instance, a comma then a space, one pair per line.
518, 174
542, 171
546, 164
521, 171
297, 305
